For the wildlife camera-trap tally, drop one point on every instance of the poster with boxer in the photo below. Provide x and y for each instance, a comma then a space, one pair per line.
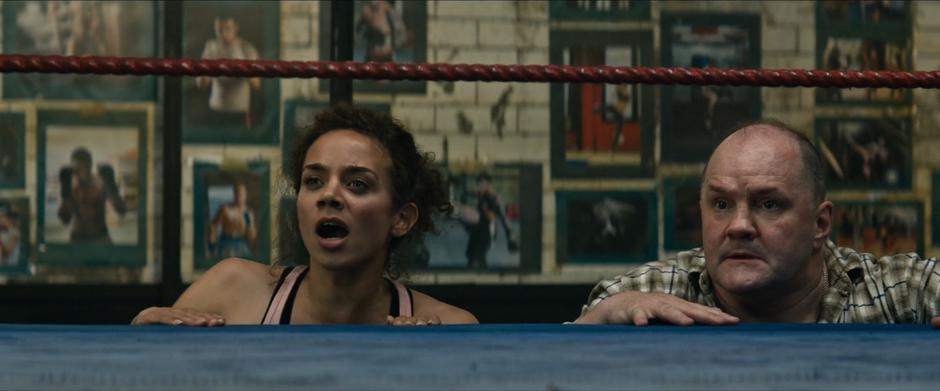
879, 227
866, 154
12, 150
604, 227
15, 249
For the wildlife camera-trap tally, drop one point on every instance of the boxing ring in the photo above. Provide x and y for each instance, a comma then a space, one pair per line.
485, 357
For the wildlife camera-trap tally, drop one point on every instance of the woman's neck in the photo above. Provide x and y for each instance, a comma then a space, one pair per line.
342, 297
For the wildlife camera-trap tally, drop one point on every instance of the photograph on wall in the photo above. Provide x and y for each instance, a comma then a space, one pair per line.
223, 110
696, 118
231, 216
606, 227
299, 115
80, 28
880, 228
601, 130
383, 31
863, 54
496, 224
885, 16
14, 235
12, 150
93, 175
611, 10
866, 153
682, 215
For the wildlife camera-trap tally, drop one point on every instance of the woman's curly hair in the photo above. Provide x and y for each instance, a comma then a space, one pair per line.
413, 178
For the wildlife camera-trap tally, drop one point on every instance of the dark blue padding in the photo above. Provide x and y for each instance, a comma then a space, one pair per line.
486, 357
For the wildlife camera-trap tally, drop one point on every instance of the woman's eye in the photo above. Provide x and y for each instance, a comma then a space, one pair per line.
358, 185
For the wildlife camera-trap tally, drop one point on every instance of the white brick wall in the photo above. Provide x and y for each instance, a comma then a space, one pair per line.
779, 38
452, 32
489, 9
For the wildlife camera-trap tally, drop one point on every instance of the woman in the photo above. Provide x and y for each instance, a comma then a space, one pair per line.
363, 189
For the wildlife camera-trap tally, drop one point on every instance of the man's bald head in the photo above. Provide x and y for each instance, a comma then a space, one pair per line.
809, 155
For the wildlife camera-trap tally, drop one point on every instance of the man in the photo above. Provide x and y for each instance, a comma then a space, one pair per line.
229, 97
481, 226
233, 229
84, 197
766, 254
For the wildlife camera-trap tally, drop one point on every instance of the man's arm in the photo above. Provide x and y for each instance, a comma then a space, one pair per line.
65, 195
111, 188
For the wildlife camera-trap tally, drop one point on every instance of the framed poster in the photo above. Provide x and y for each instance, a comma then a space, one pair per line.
854, 53
889, 17
696, 118
606, 227
935, 207
496, 224
299, 115
14, 235
866, 153
384, 31
231, 110
601, 130
231, 216
93, 174
12, 150
80, 28
879, 227
611, 10
682, 214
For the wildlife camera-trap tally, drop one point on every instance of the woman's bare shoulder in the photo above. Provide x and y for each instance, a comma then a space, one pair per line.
231, 286
426, 306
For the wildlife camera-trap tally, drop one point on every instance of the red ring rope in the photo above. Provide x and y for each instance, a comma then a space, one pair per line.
12, 63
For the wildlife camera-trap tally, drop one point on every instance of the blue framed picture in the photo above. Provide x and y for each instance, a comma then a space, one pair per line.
92, 185
231, 215
866, 153
14, 235
682, 214
606, 226
231, 110
696, 118
80, 28
601, 130
384, 31
12, 150
879, 227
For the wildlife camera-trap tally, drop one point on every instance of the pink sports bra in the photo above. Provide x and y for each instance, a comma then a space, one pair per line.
281, 304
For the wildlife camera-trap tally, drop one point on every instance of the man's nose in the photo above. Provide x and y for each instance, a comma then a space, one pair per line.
741, 225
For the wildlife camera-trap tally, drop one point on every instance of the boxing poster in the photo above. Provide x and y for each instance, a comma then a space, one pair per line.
866, 154
80, 28
696, 118
93, 175
231, 110
855, 35
882, 227
15, 249
602, 227
598, 10
383, 31
601, 130
231, 215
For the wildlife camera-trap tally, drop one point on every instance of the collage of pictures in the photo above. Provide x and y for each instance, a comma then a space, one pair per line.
79, 157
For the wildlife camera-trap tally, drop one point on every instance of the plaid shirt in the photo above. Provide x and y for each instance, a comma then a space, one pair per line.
901, 288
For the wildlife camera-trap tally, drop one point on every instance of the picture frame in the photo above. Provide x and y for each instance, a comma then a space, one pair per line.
231, 110
616, 10
15, 248
863, 52
299, 114
682, 213
13, 150
496, 225
864, 18
601, 130
702, 40
406, 43
864, 154
80, 28
93, 203
231, 212
603, 227
935, 207
883, 227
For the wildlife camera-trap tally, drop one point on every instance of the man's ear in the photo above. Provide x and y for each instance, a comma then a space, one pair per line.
405, 218
823, 222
